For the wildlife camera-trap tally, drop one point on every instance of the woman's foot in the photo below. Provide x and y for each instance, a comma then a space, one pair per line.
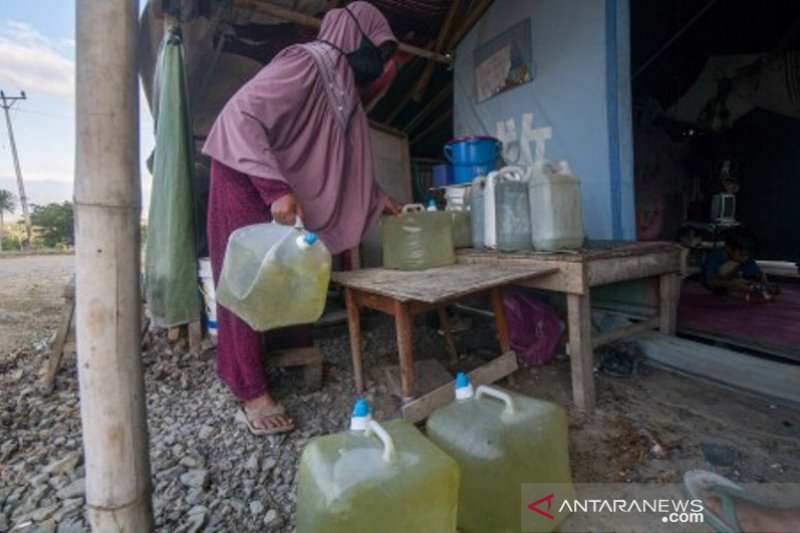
263, 413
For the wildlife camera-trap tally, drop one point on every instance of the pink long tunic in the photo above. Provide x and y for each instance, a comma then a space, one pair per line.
298, 126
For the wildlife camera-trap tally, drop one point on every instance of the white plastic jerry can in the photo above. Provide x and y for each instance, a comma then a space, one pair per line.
555, 206
490, 202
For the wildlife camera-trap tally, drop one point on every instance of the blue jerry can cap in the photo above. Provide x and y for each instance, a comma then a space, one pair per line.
464, 388
360, 417
310, 238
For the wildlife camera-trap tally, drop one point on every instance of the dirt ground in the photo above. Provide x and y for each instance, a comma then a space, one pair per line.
31, 289
210, 474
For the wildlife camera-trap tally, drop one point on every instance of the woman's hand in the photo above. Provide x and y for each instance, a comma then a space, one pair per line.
286, 209
393, 207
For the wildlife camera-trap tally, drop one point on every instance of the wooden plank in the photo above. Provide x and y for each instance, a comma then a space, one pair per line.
437, 284
495, 370
568, 276
50, 369
354, 325
610, 270
669, 293
593, 251
377, 302
606, 337
173, 334
294, 357
580, 351
195, 334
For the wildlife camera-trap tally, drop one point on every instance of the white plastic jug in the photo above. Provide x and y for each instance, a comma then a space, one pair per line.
555, 202
490, 205
477, 211
274, 276
512, 211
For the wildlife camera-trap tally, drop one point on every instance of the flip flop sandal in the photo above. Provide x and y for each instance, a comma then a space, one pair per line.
697, 482
247, 417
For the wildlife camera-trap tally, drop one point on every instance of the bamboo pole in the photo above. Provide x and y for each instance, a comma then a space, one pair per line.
108, 302
261, 6
474, 16
430, 107
444, 31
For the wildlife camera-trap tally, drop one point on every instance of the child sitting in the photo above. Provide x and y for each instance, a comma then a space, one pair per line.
733, 271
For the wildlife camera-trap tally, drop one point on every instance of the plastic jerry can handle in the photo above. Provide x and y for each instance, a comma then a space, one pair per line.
410, 208
483, 390
389, 451
511, 174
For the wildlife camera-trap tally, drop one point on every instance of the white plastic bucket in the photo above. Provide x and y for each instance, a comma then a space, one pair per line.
209, 295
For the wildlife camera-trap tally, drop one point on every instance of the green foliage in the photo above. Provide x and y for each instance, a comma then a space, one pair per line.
8, 202
55, 223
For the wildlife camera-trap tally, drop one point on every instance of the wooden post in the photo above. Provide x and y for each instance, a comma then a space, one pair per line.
496, 297
580, 350
669, 292
354, 324
108, 303
402, 320
447, 331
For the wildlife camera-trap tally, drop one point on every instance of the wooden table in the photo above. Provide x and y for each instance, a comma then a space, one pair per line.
577, 272
405, 294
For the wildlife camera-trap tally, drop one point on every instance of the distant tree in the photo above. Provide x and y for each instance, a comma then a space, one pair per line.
56, 223
8, 202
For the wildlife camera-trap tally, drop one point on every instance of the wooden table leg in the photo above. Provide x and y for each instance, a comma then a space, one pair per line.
402, 320
669, 294
444, 322
354, 325
499, 311
496, 296
580, 350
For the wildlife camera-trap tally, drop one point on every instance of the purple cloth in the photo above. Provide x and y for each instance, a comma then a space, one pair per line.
300, 121
237, 200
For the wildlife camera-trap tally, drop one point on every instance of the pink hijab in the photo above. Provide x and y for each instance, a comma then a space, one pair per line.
300, 121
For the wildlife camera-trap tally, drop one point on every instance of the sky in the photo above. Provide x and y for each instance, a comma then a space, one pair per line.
37, 55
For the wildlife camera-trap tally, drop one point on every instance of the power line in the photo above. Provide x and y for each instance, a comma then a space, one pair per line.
7, 103
32, 112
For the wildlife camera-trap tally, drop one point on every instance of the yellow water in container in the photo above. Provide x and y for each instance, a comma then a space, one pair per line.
502, 440
274, 276
362, 482
417, 239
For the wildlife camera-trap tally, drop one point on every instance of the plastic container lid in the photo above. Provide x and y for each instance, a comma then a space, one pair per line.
464, 389
360, 418
306, 240
473, 138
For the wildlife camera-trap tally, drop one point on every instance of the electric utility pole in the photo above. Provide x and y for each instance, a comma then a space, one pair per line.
7, 102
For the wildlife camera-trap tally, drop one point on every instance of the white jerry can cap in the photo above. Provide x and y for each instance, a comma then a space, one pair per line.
464, 389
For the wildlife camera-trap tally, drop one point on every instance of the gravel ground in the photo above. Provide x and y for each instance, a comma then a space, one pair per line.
210, 474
